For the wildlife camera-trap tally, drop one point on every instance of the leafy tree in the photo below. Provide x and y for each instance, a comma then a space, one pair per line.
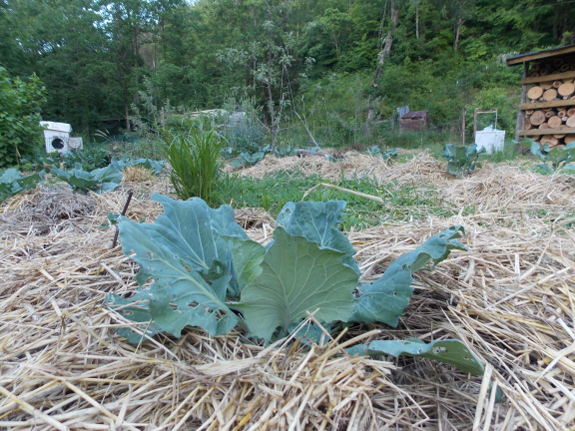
20, 103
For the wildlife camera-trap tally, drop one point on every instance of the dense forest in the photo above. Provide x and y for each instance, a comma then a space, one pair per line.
334, 69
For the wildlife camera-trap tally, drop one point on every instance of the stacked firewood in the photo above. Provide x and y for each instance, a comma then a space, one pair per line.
553, 118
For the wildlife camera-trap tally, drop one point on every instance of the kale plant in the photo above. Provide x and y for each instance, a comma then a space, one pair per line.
206, 272
461, 160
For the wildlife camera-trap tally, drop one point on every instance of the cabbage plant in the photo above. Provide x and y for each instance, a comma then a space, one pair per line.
13, 182
101, 180
461, 160
559, 158
206, 272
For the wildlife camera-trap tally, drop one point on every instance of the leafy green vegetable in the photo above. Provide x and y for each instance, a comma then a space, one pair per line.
309, 266
90, 158
247, 159
384, 154
385, 299
151, 165
206, 272
461, 160
13, 182
297, 277
560, 158
187, 255
99, 180
317, 222
452, 352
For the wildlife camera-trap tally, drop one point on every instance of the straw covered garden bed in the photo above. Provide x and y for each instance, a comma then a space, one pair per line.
510, 298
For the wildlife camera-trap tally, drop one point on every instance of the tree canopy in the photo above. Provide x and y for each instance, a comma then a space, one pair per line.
342, 62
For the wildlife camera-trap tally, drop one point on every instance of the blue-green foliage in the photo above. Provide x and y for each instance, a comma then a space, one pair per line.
384, 154
204, 267
156, 166
13, 182
99, 180
452, 352
90, 158
461, 160
559, 158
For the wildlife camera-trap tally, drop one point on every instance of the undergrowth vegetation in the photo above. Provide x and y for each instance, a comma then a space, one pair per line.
401, 202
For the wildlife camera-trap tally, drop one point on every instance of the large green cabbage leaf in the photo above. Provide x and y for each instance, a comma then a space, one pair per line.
452, 352
99, 180
13, 182
317, 222
297, 276
203, 266
385, 299
187, 255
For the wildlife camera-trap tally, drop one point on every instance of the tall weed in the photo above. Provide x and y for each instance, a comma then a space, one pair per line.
193, 155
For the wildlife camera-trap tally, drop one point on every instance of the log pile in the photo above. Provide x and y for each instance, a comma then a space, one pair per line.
552, 102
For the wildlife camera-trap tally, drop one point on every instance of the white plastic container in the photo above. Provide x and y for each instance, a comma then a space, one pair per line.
56, 136
490, 139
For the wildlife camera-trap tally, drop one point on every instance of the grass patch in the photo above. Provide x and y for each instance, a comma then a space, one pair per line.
401, 202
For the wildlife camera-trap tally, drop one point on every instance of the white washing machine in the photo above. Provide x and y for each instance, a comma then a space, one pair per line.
57, 137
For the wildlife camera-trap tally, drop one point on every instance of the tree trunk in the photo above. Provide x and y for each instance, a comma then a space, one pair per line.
127, 110
460, 22
417, 21
388, 42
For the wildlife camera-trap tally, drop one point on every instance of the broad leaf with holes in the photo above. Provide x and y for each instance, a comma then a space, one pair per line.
186, 253
205, 271
385, 299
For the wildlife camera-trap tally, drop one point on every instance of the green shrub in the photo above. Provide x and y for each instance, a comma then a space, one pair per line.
20, 130
193, 156
90, 158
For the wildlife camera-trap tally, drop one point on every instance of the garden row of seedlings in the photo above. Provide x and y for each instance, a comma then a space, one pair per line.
554, 118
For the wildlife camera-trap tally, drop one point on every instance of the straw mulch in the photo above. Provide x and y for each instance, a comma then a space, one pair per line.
510, 298
491, 187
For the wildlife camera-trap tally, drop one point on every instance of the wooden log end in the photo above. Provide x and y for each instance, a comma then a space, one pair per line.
570, 121
555, 122
537, 118
535, 92
550, 95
